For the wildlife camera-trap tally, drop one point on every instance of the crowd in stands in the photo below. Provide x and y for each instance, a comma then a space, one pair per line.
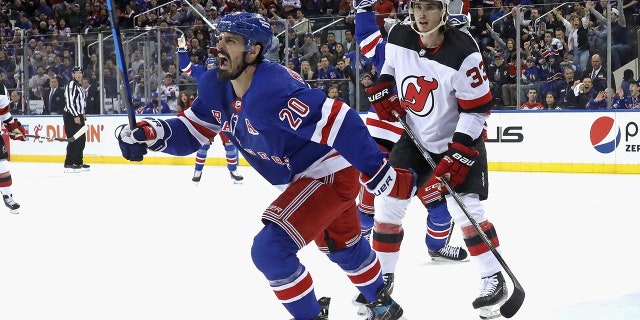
562, 50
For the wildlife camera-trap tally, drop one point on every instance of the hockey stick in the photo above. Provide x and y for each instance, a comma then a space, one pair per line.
204, 19
75, 136
117, 41
513, 304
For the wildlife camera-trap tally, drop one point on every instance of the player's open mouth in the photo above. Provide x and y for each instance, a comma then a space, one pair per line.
224, 62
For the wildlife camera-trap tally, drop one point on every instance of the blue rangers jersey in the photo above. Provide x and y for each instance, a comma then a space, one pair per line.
282, 127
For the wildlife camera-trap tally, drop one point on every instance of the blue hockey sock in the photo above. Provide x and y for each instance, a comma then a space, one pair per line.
232, 156
366, 224
438, 226
201, 156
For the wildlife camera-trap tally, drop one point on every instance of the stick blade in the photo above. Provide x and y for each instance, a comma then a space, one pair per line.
78, 134
515, 301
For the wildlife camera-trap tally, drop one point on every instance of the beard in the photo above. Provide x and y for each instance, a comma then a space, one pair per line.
235, 71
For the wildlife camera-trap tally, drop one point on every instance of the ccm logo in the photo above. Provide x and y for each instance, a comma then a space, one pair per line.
378, 95
463, 159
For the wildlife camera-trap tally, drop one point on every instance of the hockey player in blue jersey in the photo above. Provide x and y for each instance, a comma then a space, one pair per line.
231, 152
315, 149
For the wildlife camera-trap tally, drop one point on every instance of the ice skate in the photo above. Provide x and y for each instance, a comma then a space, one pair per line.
324, 309
385, 308
196, 176
493, 293
237, 178
360, 300
84, 167
11, 204
449, 254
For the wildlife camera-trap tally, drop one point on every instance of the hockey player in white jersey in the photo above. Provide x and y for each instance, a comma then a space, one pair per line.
442, 90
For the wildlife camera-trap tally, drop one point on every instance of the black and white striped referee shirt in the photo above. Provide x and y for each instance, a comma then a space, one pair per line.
76, 99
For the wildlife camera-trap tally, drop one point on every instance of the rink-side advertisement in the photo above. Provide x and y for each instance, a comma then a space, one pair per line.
607, 142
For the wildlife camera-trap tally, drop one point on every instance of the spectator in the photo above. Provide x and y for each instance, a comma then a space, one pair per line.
334, 93
92, 96
36, 84
562, 88
325, 53
170, 92
366, 81
306, 72
273, 53
550, 102
498, 74
309, 50
156, 106
478, 27
137, 63
599, 101
55, 101
581, 93
620, 48
17, 104
532, 102
627, 77
577, 38
349, 41
598, 73
630, 101
184, 102
344, 86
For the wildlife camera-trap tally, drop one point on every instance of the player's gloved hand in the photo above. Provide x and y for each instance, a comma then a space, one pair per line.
384, 100
16, 129
432, 192
182, 44
391, 182
149, 133
456, 163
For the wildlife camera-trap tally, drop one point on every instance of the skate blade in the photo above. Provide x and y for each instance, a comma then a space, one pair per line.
441, 260
492, 311
237, 181
14, 211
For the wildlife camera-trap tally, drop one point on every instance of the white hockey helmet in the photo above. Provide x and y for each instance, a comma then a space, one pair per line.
443, 19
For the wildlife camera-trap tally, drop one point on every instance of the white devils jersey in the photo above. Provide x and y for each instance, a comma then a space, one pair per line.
444, 90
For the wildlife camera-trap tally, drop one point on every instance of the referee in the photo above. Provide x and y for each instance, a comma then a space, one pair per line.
74, 117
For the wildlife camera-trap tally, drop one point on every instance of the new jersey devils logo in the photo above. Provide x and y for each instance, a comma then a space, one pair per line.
418, 95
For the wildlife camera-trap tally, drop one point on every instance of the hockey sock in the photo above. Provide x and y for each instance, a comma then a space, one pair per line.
438, 226
366, 224
361, 265
201, 156
387, 238
487, 263
232, 156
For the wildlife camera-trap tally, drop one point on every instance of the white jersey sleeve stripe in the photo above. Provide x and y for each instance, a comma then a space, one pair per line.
369, 44
333, 113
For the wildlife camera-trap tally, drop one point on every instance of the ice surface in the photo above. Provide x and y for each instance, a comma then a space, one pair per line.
143, 242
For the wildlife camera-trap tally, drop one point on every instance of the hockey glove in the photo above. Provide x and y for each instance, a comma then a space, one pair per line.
456, 163
431, 193
384, 100
182, 44
149, 133
16, 129
391, 182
